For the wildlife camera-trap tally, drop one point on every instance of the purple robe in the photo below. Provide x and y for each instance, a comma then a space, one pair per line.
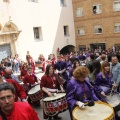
60, 66
75, 92
103, 84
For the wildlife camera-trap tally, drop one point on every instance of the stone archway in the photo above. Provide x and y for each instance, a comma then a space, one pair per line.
67, 49
9, 35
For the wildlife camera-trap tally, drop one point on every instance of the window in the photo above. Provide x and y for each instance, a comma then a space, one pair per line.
62, 2
66, 31
81, 31
37, 33
97, 9
82, 47
33, 0
79, 12
97, 29
116, 5
5, 0
117, 27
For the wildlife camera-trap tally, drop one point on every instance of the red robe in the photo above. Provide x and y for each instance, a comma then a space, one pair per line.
22, 111
23, 72
19, 90
47, 82
31, 79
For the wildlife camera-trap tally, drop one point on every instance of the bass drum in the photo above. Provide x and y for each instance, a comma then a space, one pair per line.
100, 111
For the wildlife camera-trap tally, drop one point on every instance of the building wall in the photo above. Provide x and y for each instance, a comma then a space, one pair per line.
107, 19
50, 16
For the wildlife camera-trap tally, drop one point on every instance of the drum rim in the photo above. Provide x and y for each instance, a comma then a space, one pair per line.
32, 88
54, 99
109, 117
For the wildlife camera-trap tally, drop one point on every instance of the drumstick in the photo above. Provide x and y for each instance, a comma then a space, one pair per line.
27, 98
111, 91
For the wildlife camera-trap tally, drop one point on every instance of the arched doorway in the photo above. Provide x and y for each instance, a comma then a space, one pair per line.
9, 34
67, 49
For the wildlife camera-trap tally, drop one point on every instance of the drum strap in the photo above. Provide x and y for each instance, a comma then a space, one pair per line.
51, 90
57, 79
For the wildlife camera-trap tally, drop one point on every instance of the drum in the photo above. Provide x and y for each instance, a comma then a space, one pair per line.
38, 64
100, 111
113, 100
55, 104
48, 62
35, 93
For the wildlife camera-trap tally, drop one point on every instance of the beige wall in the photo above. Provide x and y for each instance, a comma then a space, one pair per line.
47, 14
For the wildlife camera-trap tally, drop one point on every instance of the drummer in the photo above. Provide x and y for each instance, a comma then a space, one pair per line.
50, 83
23, 71
30, 80
103, 81
79, 90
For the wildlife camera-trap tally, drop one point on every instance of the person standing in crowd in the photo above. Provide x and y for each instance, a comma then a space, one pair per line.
53, 59
82, 57
89, 65
75, 65
96, 68
60, 67
41, 59
10, 110
30, 80
72, 58
68, 67
28, 57
19, 90
79, 90
103, 58
16, 63
32, 64
115, 68
50, 82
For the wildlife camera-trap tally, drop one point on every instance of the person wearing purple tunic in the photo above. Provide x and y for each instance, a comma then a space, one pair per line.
79, 90
60, 67
68, 67
103, 81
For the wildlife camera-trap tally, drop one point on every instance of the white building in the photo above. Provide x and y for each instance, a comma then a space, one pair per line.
38, 26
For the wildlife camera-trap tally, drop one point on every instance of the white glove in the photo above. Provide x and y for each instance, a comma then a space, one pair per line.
55, 94
59, 72
81, 104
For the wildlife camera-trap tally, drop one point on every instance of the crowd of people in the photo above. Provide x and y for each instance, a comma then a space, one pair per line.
84, 76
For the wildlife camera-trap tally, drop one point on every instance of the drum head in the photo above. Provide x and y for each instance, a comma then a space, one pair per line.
58, 96
34, 90
100, 111
113, 100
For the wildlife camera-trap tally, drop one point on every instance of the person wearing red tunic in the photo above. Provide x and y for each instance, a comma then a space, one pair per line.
23, 71
10, 110
30, 80
28, 56
41, 59
50, 83
32, 64
19, 90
